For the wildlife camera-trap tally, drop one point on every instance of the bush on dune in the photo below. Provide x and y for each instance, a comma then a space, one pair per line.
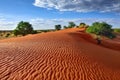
102, 29
58, 27
24, 28
83, 25
65, 27
71, 25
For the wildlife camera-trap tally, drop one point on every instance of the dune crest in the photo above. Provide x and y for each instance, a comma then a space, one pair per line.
68, 54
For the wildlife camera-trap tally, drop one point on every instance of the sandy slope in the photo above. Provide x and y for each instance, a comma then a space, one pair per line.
64, 55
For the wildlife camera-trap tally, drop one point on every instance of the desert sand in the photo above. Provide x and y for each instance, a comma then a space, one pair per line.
69, 54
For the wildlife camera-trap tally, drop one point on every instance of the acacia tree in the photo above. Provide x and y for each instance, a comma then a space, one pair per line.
102, 28
58, 27
65, 27
82, 25
23, 28
71, 24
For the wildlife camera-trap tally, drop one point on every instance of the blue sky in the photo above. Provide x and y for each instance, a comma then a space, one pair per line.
44, 14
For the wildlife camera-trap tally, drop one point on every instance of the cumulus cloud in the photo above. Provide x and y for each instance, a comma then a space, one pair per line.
80, 5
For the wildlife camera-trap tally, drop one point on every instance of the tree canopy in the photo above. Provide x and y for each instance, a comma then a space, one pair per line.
83, 25
102, 28
58, 27
65, 27
71, 24
23, 28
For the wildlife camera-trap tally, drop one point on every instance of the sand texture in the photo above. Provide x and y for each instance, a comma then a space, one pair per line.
68, 54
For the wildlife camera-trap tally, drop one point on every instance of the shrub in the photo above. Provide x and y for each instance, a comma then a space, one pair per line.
23, 28
82, 25
103, 29
34, 32
7, 35
16, 32
58, 27
71, 25
65, 27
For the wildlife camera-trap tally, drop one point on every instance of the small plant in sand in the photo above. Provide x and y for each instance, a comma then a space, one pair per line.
7, 35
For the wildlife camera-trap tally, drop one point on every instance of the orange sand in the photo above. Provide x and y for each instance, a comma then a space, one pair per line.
63, 55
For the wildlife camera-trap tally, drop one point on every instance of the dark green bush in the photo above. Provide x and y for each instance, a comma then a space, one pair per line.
34, 32
65, 27
58, 27
82, 25
23, 28
71, 25
103, 29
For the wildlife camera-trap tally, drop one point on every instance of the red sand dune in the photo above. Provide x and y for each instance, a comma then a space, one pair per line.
63, 55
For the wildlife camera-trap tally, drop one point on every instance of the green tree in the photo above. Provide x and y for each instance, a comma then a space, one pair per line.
82, 25
16, 32
102, 28
58, 27
23, 28
65, 27
71, 24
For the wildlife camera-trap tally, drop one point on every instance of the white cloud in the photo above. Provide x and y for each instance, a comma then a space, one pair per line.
7, 25
80, 5
39, 23
49, 23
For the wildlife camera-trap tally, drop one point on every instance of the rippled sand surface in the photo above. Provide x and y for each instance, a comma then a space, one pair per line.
62, 55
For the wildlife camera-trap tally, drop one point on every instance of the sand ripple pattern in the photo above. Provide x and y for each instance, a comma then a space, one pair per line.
53, 56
